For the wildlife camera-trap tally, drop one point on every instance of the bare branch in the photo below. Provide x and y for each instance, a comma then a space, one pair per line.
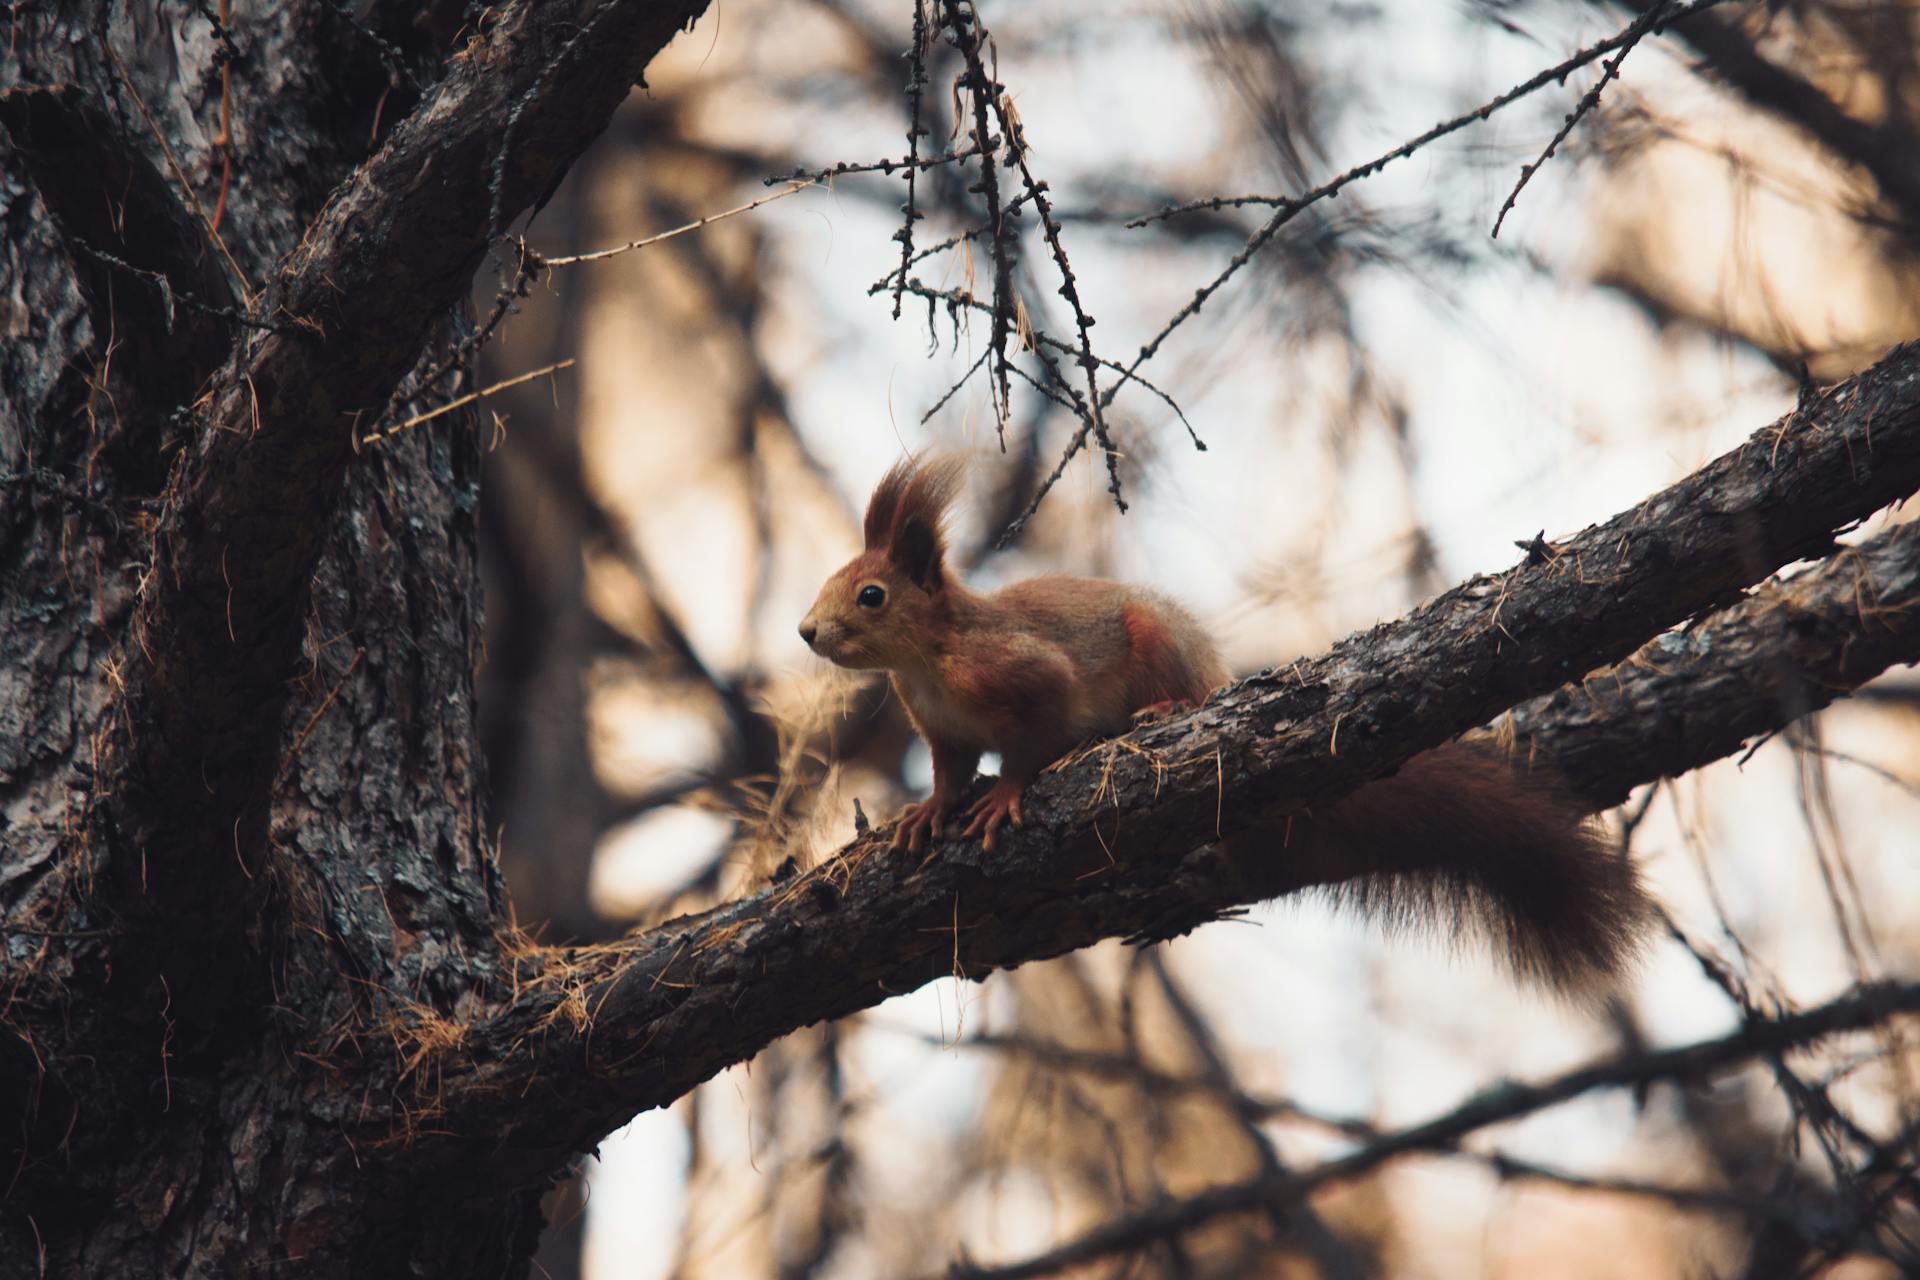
1696, 695
913, 163
1860, 1008
1289, 207
965, 33
461, 402
1118, 838
959, 298
916, 86
574, 259
1609, 69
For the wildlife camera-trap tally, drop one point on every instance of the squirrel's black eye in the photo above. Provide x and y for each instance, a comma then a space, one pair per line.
871, 597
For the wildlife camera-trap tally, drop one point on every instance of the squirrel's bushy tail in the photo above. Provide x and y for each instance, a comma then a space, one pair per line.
1460, 839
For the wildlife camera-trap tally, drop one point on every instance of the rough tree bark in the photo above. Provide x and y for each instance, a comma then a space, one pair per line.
241, 786
259, 1012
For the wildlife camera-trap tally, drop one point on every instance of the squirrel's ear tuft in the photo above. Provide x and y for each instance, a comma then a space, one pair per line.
906, 517
918, 551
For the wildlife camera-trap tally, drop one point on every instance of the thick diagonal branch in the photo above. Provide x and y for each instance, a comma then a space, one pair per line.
1119, 838
1693, 696
218, 629
1683, 700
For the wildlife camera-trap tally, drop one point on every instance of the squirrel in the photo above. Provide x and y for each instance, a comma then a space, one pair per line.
1035, 668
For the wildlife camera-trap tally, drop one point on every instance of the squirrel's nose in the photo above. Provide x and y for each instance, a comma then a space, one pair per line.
808, 631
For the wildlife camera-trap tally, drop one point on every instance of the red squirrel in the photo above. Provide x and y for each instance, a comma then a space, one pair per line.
1034, 669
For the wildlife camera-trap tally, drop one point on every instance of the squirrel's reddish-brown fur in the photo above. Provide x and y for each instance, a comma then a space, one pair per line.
1035, 668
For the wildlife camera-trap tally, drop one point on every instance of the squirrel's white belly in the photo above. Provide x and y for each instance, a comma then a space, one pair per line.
941, 716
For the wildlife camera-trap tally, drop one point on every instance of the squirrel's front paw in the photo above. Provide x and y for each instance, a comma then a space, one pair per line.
1000, 805
917, 822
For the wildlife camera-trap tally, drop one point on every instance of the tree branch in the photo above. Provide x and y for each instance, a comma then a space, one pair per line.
1685, 699
217, 632
1117, 841
1694, 696
1863, 1007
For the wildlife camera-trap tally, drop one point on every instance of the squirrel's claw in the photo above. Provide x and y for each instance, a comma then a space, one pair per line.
917, 821
1000, 805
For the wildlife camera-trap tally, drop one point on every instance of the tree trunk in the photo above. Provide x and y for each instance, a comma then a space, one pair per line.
248, 871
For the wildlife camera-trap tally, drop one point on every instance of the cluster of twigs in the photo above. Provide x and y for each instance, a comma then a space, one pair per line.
998, 147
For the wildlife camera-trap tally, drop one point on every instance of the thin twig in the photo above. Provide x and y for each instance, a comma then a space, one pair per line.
1018, 151
387, 433
889, 280
914, 163
954, 390
179, 176
954, 298
682, 230
390, 54
965, 34
1289, 207
171, 297
526, 263
916, 84
1609, 69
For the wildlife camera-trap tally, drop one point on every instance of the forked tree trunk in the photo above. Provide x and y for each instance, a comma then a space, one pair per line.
237, 863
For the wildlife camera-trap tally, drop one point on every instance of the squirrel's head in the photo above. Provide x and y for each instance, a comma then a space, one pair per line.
881, 609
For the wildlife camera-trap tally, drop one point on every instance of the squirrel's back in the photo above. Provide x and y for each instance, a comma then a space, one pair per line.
1133, 646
